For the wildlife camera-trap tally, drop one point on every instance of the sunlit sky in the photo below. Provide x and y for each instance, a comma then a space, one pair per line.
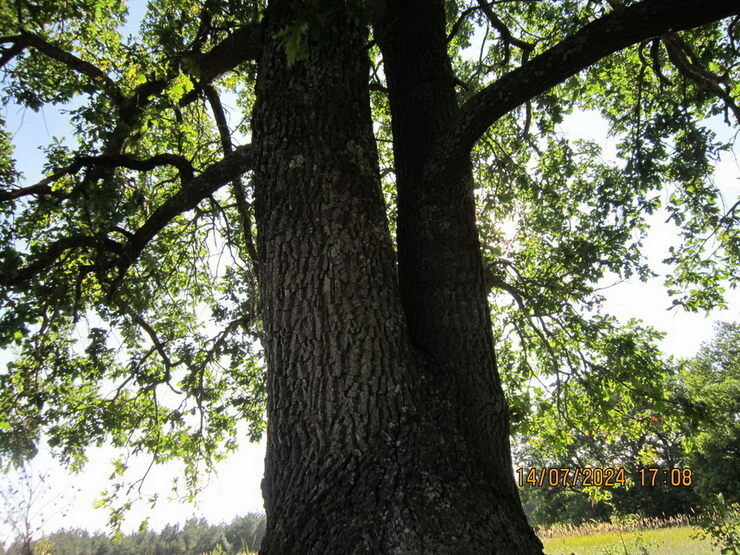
235, 488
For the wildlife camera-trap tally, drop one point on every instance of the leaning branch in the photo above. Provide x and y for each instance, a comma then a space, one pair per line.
192, 192
606, 35
206, 183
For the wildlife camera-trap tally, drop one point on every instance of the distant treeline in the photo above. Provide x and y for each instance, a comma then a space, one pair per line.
242, 535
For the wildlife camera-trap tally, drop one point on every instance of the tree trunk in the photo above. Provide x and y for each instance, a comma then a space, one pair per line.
379, 439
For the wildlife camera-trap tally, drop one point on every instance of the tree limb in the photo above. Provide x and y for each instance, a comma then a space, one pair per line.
182, 164
25, 39
460, 20
240, 46
606, 35
52, 254
10, 53
192, 192
206, 183
111, 161
506, 36
687, 63
153, 337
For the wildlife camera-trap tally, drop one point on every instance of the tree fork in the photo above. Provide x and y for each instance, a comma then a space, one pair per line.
439, 255
365, 450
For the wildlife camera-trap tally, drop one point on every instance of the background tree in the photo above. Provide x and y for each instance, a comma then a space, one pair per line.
691, 423
27, 502
22, 501
708, 387
385, 407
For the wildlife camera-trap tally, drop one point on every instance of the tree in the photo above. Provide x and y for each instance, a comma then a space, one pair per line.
22, 500
708, 388
387, 421
26, 503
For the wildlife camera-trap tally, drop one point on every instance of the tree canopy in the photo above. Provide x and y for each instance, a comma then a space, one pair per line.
128, 271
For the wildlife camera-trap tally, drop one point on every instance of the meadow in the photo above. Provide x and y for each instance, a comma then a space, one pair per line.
640, 537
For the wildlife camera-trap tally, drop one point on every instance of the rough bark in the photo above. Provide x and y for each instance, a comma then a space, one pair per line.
371, 446
439, 257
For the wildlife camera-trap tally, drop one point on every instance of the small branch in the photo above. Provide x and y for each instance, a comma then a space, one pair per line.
240, 194
505, 33
41, 188
206, 183
519, 298
219, 340
460, 20
54, 251
154, 338
656, 65
687, 63
104, 160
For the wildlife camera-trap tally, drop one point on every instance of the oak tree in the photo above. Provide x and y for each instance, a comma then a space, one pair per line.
354, 221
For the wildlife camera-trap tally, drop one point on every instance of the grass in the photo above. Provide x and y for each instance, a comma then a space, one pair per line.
638, 537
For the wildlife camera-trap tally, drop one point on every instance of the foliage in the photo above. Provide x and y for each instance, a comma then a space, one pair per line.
129, 297
139, 362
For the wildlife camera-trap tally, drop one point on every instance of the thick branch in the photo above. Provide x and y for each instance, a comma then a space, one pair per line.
10, 53
52, 254
242, 45
122, 161
606, 35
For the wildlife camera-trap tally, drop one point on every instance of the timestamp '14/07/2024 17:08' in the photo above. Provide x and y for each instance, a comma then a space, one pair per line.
603, 477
